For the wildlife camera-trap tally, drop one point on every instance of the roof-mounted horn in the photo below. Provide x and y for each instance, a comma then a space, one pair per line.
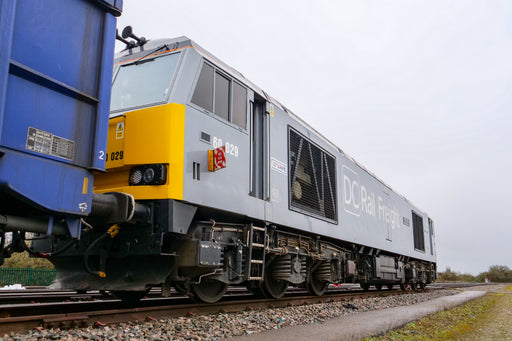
128, 33
129, 44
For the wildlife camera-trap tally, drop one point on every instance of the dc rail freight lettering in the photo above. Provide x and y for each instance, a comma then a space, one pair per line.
211, 182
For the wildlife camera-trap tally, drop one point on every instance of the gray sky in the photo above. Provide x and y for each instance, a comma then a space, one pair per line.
419, 92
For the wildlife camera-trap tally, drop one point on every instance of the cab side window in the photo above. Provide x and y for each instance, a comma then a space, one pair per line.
221, 95
222, 85
203, 94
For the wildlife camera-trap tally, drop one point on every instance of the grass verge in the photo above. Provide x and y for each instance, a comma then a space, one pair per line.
454, 324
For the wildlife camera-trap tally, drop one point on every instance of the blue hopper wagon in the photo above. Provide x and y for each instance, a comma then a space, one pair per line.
56, 61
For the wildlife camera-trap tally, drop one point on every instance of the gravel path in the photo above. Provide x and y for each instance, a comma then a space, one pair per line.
224, 325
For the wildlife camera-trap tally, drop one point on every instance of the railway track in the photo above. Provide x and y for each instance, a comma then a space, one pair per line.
107, 310
43, 295
104, 309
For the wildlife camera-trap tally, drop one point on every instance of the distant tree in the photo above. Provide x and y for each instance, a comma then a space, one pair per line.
498, 273
482, 276
451, 276
466, 278
447, 275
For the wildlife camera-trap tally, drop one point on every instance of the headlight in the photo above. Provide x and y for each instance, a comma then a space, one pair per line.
148, 175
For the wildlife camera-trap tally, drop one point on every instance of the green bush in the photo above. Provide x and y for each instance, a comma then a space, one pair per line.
451, 276
496, 273
23, 260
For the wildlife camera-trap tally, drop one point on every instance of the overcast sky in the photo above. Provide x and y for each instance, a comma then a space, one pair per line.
419, 92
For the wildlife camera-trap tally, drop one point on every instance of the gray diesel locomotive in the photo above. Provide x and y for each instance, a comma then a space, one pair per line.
226, 186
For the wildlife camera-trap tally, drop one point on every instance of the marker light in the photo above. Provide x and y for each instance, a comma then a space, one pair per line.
135, 176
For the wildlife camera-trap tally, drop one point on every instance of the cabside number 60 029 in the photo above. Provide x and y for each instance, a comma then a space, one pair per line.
231, 149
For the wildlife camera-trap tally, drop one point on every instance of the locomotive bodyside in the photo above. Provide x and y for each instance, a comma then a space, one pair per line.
231, 188
368, 212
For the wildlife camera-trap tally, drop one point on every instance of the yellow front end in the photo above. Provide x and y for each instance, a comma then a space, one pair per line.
153, 135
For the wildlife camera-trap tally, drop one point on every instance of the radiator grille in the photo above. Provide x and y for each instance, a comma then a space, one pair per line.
312, 178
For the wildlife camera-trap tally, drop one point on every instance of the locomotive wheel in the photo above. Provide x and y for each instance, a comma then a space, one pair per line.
378, 287
389, 286
257, 290
130, 297
365, 286
181, 288
403, 286
316, 287
209, 290
272, 287
422, 285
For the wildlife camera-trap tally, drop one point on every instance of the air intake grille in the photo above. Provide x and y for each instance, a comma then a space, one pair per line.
312, 178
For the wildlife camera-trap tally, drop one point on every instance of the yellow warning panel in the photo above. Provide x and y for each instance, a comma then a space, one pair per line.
154, 135
115, 145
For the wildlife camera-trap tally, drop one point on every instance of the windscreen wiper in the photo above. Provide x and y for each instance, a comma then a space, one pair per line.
141, 59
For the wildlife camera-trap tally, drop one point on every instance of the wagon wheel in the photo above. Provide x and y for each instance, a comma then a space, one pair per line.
208, 290
315, 286
378, 287
130, 297
422, 285
403, 286
273, 287
365, 286
389, 286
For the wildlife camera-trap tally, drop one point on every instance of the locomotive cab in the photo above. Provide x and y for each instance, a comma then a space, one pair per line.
164, 97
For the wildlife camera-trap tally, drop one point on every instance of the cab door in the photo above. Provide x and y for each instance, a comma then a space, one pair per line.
259, 139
